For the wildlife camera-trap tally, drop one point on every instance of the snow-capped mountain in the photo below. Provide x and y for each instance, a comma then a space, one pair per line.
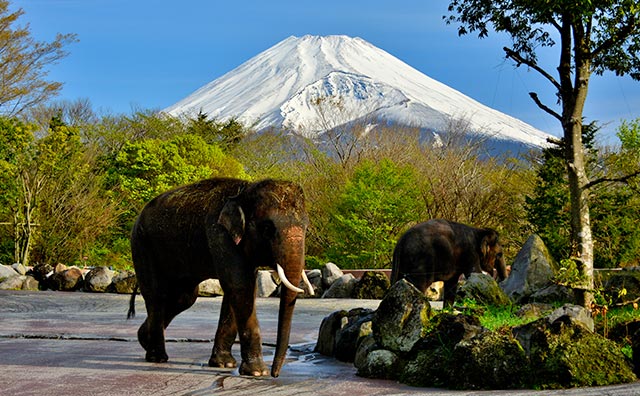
313, 83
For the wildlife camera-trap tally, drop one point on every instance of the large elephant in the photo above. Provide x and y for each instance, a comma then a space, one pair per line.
442, 250
222, 229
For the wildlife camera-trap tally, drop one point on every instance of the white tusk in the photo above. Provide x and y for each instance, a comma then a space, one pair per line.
285, 281
306, 282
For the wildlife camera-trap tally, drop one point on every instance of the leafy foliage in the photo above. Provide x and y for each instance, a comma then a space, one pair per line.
376, 204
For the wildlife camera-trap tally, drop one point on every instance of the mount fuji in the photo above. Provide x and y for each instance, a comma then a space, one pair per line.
311, 84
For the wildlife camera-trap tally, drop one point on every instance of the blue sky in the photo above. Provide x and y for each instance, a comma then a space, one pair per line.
148, 54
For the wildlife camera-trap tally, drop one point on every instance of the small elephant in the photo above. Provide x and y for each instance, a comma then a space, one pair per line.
442, 250
222, 229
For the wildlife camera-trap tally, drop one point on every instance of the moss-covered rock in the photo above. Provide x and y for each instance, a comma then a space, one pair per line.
483, 289
382, 364
372, 285
490, 360
401, 317
566, 354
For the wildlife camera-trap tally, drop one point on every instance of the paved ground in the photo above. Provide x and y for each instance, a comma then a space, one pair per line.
54, 343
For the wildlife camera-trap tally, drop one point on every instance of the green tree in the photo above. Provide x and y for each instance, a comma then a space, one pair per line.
16, 207
376, 205
23, 63
146, 168
592, 37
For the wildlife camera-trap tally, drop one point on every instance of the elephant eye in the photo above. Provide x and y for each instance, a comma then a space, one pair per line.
267, 229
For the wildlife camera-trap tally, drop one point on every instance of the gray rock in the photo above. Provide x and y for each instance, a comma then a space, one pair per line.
265, 284
484, 290
575, 313
210, 288
98, 280
7, 272
327, 334
553, 294
31, 284
365, 347
381, 364
401, 317
372, 286
70, 279
532, 270
124, 282
330, 273
19, 268
534, 310
342, 287
13, 283
350, 334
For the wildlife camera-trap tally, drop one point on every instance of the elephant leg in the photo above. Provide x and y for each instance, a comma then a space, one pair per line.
225, 337
151, 333
450, 289
160, 313
242, 301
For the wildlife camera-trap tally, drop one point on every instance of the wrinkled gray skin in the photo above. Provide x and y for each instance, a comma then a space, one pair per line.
222, 229
442, 250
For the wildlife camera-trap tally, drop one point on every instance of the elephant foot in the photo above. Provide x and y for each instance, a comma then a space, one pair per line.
254, 369
154, 356
222, 360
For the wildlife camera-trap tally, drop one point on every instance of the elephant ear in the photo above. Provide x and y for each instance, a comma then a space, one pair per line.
489, 240
232, 219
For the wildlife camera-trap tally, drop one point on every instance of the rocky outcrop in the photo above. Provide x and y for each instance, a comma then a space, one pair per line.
483, 289
406, 342
531, 271
372, 285
98, 280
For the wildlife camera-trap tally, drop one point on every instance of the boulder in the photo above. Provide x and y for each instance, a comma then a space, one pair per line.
67, 280
366, 345
435, 291
489, 360
553, 294
483, 289
13, 283
431, 364
98, 279
532, 270
265, 284
19, 268
124, 282
327, 334
563, 353
400, 318
342, 287
330, 273
381, 364
210, 288
7, 272
348, 337
573, 313
372, 285
31, 284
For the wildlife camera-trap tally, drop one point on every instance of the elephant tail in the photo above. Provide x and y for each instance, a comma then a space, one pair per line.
132, 304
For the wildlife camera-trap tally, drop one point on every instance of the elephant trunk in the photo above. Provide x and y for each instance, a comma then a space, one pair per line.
501, 269
292, 268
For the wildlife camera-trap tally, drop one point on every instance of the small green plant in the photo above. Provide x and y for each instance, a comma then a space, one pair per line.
569, 274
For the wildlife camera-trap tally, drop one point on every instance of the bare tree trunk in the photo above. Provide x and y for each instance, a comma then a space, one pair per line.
574, 94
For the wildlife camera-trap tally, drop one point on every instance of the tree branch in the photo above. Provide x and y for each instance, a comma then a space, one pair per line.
520, 60
601, 180
541, 105
617, 38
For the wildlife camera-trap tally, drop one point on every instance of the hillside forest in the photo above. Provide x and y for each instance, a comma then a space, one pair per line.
72, 183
